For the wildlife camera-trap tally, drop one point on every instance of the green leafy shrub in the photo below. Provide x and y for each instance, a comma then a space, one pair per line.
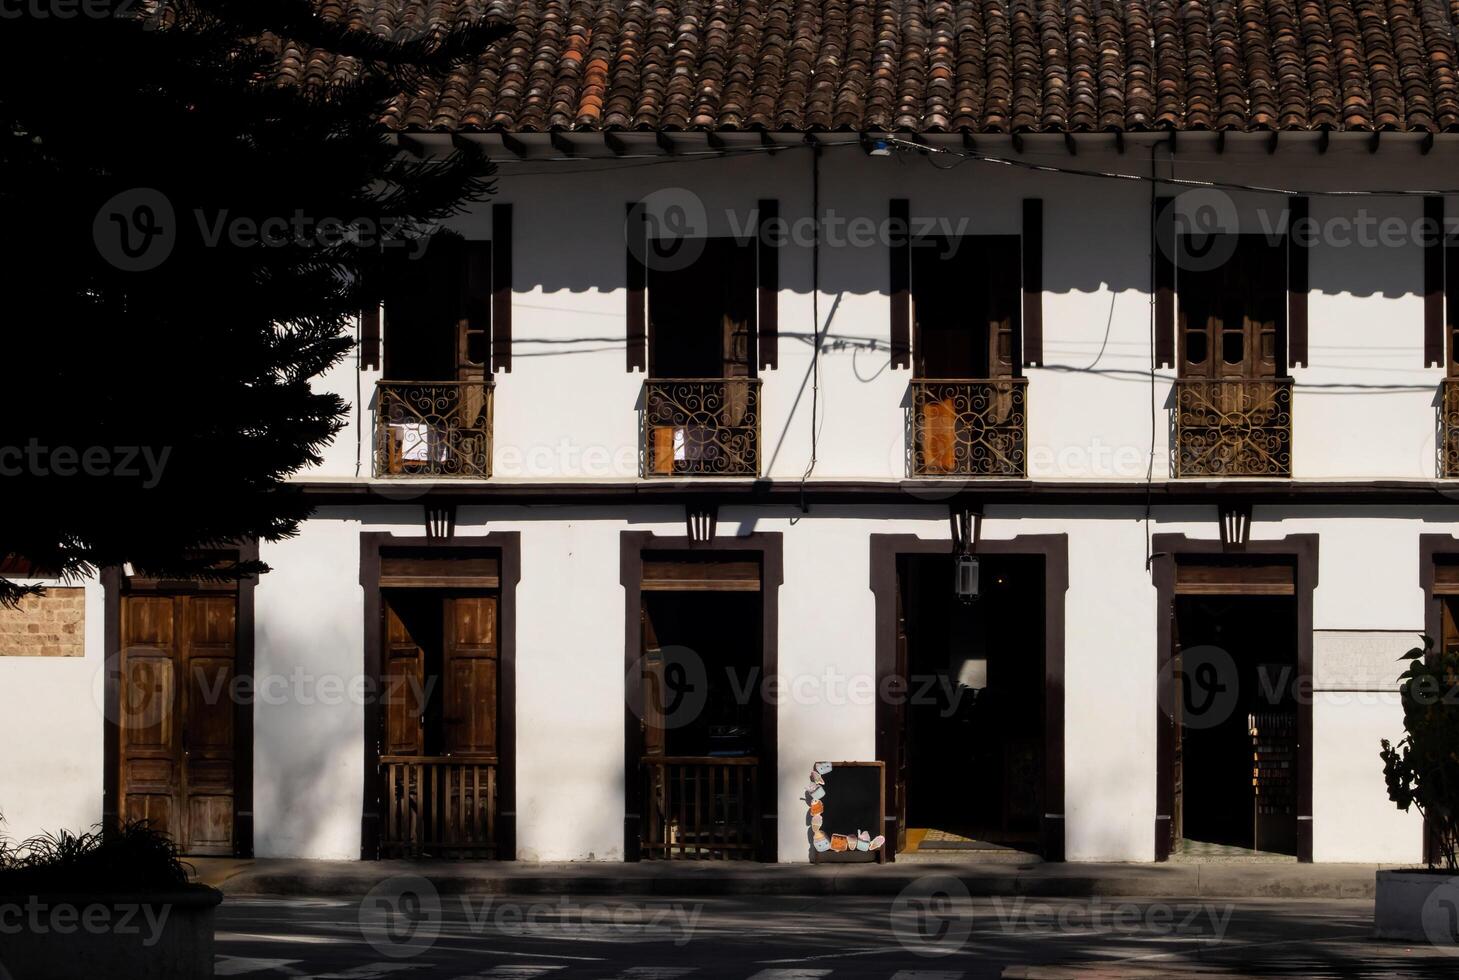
134, 858
1422, 770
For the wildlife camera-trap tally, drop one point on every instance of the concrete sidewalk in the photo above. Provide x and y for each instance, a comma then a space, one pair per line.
356, 878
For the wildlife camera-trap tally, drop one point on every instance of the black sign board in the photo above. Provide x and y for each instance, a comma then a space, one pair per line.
854, 801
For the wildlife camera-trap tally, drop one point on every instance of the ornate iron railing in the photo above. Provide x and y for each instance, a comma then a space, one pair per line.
439, 806
1449, 429
701, 807
968, 427
439, 429
1233, 428
701, 427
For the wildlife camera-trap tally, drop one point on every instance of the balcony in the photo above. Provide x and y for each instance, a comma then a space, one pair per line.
1233, 428
435, 429
701, 427
969, 428
1449, 429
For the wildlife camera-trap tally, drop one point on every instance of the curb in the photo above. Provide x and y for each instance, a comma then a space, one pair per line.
1067, 881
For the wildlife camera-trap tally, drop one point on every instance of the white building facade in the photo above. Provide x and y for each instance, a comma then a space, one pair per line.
642, 613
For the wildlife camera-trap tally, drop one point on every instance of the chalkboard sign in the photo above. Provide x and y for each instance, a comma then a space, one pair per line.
845, 802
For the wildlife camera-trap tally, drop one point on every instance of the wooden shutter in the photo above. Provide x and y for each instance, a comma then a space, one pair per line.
473, 326
767, 254
470, 681
1446, 579
1434, 281
636, 232
370, 337
900, 232
1162, 233
1031, 343
404, 687
501, 288
652, 681
1297, 282
1451, 314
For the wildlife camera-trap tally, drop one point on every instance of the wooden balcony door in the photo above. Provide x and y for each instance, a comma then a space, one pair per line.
439, 744
177, 717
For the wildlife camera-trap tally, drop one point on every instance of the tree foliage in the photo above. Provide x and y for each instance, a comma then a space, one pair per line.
190, 233
1422, 770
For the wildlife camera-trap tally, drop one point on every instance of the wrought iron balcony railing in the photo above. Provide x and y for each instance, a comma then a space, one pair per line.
701, 427
1233, 428
969, 428
1449, 429
438, 429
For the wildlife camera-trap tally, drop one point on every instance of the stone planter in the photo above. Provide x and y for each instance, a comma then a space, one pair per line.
153, 934
1417, 906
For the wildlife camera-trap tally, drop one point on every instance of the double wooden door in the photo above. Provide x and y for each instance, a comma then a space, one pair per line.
177, 717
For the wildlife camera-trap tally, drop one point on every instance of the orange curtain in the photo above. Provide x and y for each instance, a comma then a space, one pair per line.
939, 438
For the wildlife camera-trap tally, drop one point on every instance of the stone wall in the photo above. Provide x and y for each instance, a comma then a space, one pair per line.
49, 625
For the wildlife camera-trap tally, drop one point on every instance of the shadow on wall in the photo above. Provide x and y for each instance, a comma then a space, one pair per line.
1096, 230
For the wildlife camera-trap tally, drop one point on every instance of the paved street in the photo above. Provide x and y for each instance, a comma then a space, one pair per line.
408, 932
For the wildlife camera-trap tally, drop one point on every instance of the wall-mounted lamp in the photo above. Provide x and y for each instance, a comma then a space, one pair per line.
965, 577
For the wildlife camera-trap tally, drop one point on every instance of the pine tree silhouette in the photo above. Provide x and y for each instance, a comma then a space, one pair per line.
172, 284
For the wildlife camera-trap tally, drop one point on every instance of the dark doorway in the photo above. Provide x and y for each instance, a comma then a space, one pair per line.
1235, 707
973, 754
701, 677
439, 738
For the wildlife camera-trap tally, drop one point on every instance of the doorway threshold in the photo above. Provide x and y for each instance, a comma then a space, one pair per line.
934, 846
1206, 852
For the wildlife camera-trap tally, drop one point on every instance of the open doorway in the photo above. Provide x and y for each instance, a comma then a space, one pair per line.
702, 741
1235, 727
970, 774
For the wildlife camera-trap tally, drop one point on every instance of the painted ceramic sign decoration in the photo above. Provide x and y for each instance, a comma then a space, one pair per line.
839, 843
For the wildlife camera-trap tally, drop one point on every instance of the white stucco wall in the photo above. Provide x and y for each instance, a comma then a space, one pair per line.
51, 724
570, 679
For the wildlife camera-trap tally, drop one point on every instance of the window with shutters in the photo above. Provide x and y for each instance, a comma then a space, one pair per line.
1233, 414
701, 400
967, 391
434, 405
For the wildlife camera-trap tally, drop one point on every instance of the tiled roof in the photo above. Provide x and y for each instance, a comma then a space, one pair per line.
980, 66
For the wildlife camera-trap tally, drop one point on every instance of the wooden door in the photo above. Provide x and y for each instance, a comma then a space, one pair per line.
470, 682
177, 736
1233, 315
405, 687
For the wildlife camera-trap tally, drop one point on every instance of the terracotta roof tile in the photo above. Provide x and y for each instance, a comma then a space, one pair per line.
923, 65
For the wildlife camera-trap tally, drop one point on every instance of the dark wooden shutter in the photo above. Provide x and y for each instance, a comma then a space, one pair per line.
1433, 281
1032, 345
900, 233
1163, 257
1297, 282
767, 253
1451, 315
501, 288
370, 337
474, 323
637, 238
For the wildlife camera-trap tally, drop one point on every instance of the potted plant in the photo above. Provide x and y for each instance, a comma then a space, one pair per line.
102, 904
1422, 771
